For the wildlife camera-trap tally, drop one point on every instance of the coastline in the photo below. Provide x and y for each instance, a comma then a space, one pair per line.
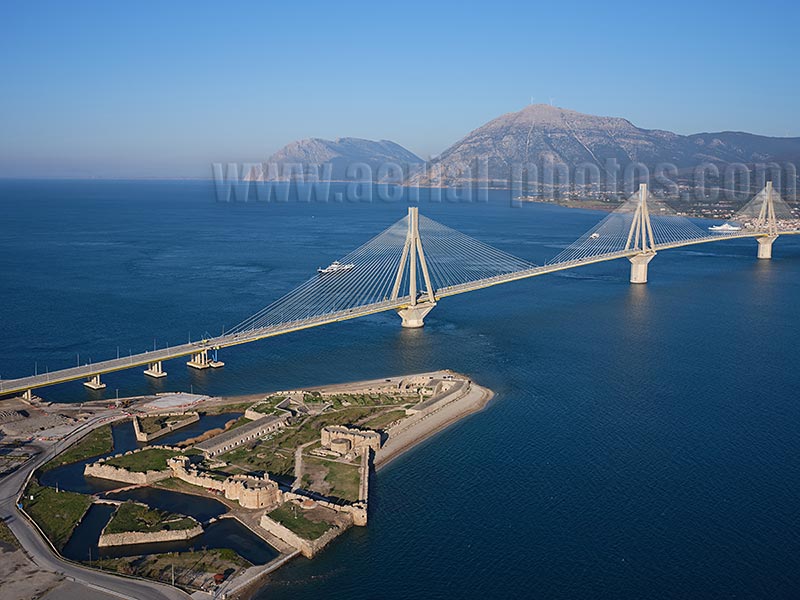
409, 435
454, 396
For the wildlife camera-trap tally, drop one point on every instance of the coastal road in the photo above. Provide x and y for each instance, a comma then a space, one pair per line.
40, 551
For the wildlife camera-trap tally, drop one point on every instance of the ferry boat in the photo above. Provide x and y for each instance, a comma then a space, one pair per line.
725, 228
335, 267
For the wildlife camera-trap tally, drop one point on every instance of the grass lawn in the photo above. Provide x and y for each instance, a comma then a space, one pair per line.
291, 516
135, 517
331, 478
189, 567
238, 407
268, 405
149, 459
6, 537
275, 454
385, 419
95, 443
57, 513
340, 400
156, 423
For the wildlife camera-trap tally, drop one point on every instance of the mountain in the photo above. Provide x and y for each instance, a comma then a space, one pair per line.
540, 133
334, 157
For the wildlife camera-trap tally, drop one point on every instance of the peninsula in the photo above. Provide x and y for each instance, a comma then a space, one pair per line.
293, 467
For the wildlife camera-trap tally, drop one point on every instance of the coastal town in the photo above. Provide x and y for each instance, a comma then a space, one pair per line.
290, 469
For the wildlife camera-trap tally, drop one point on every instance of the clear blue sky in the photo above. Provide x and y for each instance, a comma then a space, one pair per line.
137, 89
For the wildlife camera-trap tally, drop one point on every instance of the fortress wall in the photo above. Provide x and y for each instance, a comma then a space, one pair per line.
104, 471
249, 491
307, 547
253, 415
137, 537
147, 437
357, 511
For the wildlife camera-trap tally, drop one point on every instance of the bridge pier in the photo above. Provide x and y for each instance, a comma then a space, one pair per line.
200, 360
414, 316
155, 370
28, 395
94, 383
765, 246
639, 264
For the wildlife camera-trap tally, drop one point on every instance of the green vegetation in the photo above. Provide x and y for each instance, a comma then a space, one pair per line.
275, 453
237, 407
156, 423
6, 537
135, 517
268, 405
149, 459
292, 517
192, 569
331, 478
98, 441
238, 423
386, 419
57, 513
339, 400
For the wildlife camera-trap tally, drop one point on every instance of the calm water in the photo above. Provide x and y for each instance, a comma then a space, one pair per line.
225, 533
644, 442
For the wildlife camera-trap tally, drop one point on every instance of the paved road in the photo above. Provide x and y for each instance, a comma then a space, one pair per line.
40, 551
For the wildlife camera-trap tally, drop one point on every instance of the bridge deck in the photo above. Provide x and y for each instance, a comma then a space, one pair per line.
15, 386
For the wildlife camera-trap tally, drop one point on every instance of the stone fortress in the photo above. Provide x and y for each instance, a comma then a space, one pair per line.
351, 446
348, 441
172, 422
249, 491
229, 440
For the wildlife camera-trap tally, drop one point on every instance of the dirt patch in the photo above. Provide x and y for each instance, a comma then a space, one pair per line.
207, 435
22, 579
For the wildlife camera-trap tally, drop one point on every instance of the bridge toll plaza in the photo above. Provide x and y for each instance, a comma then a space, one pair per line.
416, 262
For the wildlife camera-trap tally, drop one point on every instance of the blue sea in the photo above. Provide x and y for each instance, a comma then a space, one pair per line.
644, 441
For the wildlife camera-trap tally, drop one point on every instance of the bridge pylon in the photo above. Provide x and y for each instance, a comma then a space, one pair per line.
640, 237
412, 260
768, 223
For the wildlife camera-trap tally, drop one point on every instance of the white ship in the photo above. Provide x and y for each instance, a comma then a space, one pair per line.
335, 267
724, 228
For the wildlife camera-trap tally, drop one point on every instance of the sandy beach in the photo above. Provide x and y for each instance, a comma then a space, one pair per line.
418, 428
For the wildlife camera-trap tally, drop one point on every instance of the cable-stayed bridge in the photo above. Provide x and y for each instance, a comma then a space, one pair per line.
416, 262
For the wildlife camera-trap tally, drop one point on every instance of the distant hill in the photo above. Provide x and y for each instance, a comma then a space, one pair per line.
540, 133
337, 155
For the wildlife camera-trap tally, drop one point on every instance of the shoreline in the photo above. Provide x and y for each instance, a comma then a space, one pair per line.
455, 396
474, 400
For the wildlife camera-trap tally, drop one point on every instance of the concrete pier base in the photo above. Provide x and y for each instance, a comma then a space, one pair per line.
94, 383
639, 264
199, 360
202, 361
765, 246
155, 370
414, 316
28, 395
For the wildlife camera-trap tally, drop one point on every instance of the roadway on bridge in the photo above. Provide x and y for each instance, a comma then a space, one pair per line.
381, 275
